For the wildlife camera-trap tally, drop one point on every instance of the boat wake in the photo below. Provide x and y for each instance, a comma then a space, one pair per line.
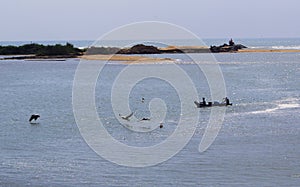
289, 103
278, 107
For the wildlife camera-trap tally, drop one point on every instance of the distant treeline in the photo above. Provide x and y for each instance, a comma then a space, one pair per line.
41, 50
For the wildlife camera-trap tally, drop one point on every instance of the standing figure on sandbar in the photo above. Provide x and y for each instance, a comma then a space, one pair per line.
231, 42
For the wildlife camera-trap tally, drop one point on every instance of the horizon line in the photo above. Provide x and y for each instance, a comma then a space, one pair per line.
206, 38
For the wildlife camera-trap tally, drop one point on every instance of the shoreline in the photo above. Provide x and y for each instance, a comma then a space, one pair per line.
136, 58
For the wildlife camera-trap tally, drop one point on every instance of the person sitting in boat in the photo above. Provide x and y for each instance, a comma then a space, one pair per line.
227, 101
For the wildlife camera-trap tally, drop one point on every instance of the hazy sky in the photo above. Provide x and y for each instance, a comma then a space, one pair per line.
31, 20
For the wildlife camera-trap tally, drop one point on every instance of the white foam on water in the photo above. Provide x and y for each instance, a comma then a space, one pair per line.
286, 47
275, 47
280, 106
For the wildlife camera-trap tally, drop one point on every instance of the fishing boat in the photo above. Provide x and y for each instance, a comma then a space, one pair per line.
203, 104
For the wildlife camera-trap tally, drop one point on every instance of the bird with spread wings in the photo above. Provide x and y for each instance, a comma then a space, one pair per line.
126, 117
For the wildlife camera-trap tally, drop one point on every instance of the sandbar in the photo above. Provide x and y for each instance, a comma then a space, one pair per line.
125, 58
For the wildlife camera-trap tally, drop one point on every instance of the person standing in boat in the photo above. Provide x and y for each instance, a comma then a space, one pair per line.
203, 101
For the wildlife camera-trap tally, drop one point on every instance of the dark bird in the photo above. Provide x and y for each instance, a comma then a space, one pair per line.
143, 100
145, 119
34, 117
161, 125
126, 117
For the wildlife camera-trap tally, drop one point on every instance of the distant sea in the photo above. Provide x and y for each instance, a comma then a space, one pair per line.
258, 145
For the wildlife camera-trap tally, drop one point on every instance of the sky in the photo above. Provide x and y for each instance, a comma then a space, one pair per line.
34, 20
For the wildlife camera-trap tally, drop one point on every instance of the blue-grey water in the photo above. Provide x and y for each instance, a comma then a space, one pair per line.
258, 145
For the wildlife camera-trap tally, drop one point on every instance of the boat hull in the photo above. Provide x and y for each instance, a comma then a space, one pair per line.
210, 104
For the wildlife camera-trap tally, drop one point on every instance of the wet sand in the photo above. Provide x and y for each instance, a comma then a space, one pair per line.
125, 58
184, 48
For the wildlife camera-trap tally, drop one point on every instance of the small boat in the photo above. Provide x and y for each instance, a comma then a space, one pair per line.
203, 104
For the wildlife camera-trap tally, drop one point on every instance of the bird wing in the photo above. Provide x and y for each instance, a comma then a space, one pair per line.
129, 115
31, 118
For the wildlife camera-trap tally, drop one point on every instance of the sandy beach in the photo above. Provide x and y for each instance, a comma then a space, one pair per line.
125, 58
183, 47
129, 59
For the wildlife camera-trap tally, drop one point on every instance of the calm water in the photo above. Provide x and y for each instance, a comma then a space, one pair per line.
258, 145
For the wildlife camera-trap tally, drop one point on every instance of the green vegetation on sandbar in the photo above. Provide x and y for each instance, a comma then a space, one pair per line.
41, 50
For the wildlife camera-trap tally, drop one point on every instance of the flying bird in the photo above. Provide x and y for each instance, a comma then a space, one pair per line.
145, 119
126, 117
34, 117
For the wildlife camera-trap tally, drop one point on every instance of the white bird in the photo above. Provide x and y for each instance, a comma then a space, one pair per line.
126, 117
